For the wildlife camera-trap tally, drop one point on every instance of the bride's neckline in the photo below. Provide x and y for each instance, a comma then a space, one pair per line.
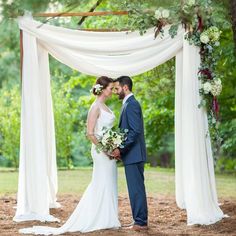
109, 111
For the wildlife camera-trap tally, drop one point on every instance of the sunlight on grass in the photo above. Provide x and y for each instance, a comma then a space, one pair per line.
159, 181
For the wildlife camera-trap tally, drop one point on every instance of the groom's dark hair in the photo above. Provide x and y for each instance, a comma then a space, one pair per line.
125, 80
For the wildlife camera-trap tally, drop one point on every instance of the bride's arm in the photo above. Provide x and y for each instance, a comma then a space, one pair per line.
91, 122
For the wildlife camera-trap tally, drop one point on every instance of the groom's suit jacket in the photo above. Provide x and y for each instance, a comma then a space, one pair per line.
131, 118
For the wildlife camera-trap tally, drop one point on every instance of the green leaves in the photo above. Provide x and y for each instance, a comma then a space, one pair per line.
173, 30
154, 89
10, 125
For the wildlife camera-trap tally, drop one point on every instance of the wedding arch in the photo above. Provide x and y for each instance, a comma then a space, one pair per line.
112, 54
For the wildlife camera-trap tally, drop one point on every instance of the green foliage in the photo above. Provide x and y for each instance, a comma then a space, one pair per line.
9, 53
71, 101
10, 126
64, 126
70, 89
155, 91
228, 133
200, 21
226, 165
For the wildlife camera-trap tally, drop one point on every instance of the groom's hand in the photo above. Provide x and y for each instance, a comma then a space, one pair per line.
116, 154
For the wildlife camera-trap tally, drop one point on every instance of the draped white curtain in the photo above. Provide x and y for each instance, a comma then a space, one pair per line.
194, 175
111, 54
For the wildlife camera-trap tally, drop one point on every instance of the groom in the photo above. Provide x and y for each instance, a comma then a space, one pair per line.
133, 154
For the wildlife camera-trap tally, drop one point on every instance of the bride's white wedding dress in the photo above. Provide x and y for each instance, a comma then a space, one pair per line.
98, 207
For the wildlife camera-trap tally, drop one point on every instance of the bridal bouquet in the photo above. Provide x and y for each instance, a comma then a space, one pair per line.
111, 139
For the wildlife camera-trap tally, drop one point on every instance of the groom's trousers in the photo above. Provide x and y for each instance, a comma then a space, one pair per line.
137, 194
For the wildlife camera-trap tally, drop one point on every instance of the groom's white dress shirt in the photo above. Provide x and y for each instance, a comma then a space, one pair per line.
126, 97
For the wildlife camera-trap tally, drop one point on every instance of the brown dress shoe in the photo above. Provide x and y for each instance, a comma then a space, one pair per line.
138, 227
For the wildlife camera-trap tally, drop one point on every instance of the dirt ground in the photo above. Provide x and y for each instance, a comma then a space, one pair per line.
165, 218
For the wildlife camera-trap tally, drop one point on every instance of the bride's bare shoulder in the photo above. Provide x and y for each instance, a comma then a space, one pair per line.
94, 108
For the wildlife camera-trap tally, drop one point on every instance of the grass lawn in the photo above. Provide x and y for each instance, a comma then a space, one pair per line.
158, 181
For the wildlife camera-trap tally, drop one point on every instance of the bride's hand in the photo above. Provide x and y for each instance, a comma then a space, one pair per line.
116, 154
110, 156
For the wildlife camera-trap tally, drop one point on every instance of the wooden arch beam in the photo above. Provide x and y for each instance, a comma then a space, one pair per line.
70, 14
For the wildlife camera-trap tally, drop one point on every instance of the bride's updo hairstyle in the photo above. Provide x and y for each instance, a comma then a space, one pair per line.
101, 83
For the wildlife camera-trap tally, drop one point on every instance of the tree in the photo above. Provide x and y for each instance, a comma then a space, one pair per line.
70, 89
10, 125
233, 14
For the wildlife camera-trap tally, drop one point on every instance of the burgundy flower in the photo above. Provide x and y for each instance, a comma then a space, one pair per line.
206, 72
158, 28
216, 107
200, 23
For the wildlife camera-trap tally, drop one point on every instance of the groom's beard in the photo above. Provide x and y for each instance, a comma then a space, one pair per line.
122, 95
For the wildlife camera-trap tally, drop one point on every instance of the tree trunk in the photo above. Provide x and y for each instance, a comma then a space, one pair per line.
91, 10
233, 17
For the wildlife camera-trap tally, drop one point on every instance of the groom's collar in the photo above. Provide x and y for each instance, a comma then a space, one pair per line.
126, 97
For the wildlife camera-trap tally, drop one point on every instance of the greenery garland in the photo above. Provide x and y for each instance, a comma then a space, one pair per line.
195, 17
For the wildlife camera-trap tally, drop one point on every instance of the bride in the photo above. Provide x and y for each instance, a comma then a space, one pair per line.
98, 207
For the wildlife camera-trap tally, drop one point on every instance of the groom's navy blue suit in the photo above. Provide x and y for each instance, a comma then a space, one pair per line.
133, 156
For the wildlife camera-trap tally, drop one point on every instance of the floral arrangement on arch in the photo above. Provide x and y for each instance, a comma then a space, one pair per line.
196, 17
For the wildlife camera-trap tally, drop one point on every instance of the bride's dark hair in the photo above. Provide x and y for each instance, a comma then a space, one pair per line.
104, 81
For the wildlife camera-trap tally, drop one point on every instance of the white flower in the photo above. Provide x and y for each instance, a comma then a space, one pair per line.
204, 38
98, 88
191, 2
214, 33
158, 14
217, 81
213, 120
216, 87
215, 36
105, 138
162, 13
165, 13
9, 2
111, 139
207, 87
117, 141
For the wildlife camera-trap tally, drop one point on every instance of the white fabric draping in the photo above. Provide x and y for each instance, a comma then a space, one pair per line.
37, 185
195, 180
99, 53
112, 54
